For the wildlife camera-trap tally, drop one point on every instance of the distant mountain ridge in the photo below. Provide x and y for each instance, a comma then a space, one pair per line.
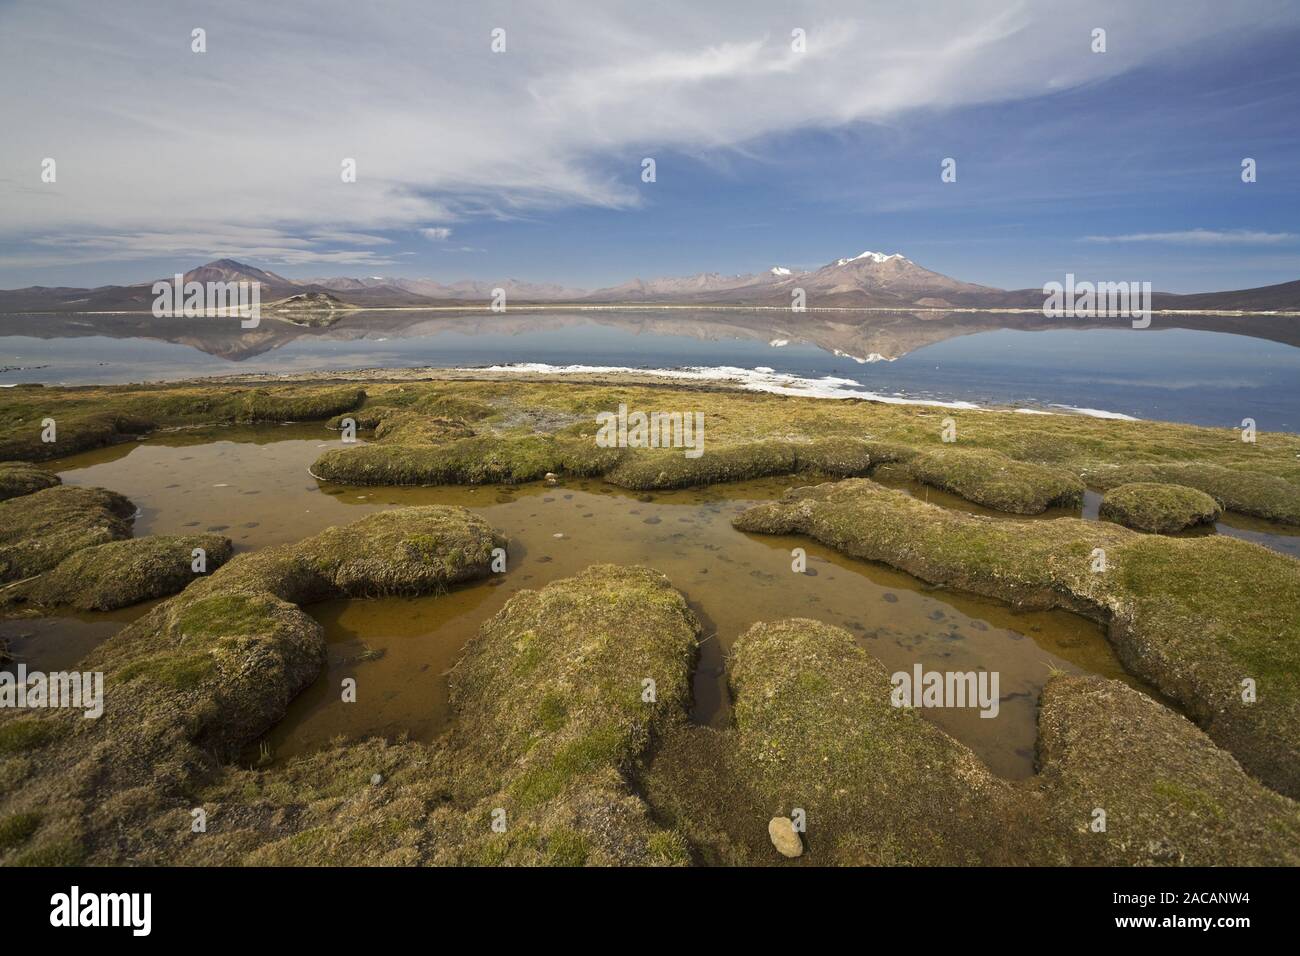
874, 280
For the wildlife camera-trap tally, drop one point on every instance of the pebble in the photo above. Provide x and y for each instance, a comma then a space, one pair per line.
784, 837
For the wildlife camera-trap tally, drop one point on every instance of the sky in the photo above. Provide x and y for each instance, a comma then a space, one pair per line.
528, 163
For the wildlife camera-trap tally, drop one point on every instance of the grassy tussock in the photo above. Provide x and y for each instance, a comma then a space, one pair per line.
91, 417
1235, 489
18, 478
992, 479
1158, 508
492, 459
39, 530
814, 729
118, 574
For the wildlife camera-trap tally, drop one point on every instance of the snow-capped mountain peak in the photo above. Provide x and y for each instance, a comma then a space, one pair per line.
873, 256
781, 271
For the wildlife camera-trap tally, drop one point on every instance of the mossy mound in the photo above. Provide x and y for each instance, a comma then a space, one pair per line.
1194, 617
39, 530
366, 419
406, 427
557, 700
482, 459
576, 657
1159, 508
553, 719
657, 469
1170, 796
203, 674
265, 405
80, 430
16, 828
508, 458
388, 411
91, 417
996, 481
1239, 489
879, 785
121, 573
1211, 621
18, 478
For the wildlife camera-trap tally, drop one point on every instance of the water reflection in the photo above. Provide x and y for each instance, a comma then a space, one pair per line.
1211, 370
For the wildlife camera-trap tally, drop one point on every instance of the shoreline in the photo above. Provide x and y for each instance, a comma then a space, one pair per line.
700, 378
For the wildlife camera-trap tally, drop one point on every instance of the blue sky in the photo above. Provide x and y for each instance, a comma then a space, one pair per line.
1122, 165
1039, 182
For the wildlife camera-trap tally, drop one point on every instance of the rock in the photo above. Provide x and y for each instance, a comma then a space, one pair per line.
784, 837
376, 779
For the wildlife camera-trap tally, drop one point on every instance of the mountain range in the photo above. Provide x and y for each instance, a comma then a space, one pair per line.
870, 280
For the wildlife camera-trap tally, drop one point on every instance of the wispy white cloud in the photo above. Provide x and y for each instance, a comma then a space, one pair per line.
162, 151
262, 244
436, 233
1204, 237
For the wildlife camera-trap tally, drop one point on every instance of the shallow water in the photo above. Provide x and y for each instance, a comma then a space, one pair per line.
59, 643
251, 483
